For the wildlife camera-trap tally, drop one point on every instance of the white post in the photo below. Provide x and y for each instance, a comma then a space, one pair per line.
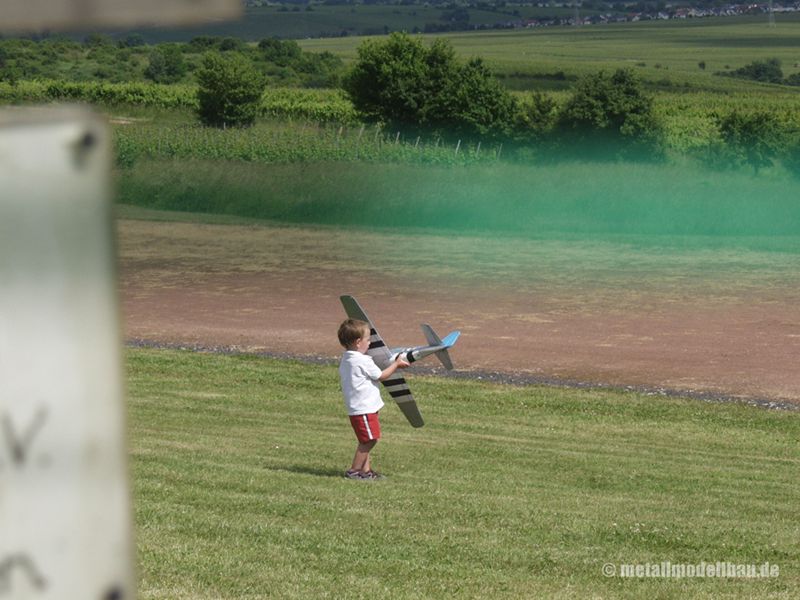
65, 514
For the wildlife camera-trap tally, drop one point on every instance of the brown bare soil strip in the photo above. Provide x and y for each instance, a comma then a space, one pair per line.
705, 322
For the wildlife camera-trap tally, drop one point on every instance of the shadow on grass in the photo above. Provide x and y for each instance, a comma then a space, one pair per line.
308, 470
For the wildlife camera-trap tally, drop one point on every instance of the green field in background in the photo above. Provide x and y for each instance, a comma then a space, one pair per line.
355, 19
666, 53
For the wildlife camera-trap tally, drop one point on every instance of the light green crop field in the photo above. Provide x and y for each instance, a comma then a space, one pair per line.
507, 492
667, 53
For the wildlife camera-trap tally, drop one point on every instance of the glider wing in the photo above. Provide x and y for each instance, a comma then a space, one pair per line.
377, 348
396, 385
398, 390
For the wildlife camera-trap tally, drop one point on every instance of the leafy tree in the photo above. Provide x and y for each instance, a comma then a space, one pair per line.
389, 81
474, 103
753, 139
280, 52
535, 118
768, 71
230, 90
610, 115
166, 64
401, 82
321, 69
231, 44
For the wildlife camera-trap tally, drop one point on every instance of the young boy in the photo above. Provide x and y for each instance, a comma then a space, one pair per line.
362, 397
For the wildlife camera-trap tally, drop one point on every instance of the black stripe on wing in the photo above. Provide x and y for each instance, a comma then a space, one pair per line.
378, 350
398, 389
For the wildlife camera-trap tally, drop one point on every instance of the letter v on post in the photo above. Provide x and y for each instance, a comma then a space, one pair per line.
18, 444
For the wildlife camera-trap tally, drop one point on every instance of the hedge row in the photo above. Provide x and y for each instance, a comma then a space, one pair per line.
310, 104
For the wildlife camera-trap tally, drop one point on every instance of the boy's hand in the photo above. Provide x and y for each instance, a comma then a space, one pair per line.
398, 363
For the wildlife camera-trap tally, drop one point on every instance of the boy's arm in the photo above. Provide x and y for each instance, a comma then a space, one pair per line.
389, 371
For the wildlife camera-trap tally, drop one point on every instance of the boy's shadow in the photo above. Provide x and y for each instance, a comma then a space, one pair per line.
308, 470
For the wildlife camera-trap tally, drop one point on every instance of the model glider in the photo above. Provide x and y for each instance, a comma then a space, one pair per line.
384, 356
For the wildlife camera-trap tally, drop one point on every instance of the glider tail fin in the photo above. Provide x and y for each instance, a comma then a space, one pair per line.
447, 342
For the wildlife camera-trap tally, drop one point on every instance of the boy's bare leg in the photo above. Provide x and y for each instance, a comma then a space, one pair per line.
366, 468
361, 458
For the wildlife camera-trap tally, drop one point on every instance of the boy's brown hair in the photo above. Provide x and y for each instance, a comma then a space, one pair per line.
351, 331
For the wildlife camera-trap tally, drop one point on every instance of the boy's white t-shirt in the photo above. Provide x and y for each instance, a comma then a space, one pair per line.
359, 375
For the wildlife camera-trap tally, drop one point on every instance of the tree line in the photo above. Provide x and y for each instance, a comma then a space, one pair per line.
414, 88
99, 58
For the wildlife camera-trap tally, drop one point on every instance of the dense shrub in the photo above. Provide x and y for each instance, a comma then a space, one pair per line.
476, 104
768, 71
793, 79
753, 139
391, 79
610, 116
230, 90
280, 52
535, 118
284, 63
166, 64
110, 94
407, 85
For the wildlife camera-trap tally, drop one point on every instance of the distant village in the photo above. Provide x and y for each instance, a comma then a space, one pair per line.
666, 13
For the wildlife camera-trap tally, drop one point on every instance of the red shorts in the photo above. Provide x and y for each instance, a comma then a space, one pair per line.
367, 427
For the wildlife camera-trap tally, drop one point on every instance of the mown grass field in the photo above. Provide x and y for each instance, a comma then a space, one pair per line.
507, 492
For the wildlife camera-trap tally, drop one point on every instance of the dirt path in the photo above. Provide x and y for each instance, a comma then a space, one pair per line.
705, 321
